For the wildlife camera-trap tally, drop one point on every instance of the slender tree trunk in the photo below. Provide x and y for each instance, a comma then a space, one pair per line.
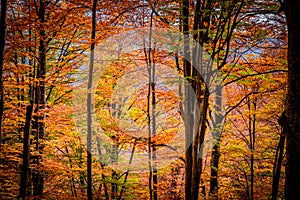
214, 170
252, 132
2, 46
278, 158
151, 116
292, 183
150, 184
187, 106
26, 150
215, 155
153, 112
90, 106
149, 146
194, 118
253, 149
40, 100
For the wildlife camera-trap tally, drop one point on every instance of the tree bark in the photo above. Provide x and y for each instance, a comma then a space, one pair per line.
252, 133
153, 113
40, 101
2, 46
26, 150
195, 123
278, 158
90, 106
215, 154
187, 106
151, 116
292, 183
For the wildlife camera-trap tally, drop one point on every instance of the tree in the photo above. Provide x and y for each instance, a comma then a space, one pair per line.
25, 74
40, 98
212, 27
292, 113
2, 46
89, 104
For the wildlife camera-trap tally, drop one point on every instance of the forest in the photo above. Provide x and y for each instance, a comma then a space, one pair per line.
150, 99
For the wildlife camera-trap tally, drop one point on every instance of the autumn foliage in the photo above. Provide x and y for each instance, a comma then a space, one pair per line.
141, 117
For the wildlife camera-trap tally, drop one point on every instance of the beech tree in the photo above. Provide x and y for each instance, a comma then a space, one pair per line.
89, 104
212, 26
292, 113
2, 47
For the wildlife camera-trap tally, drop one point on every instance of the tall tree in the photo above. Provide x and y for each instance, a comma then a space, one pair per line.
2, 46
40, 98
212, 27
89, 104
188, 132
292, 183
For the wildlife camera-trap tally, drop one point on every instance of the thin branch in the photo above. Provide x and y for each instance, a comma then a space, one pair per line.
256, 74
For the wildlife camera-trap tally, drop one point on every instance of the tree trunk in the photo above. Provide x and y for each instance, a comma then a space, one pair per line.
195, 123
40, 101
26, 150
252, 132
151, 116
278, 158
292, 182
215, 154
90, 106
187, 106
2, 46
153, 112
